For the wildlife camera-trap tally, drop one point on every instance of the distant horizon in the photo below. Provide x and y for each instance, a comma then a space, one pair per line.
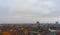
32, 22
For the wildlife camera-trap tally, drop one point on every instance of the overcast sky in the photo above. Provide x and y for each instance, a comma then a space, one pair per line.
28, 11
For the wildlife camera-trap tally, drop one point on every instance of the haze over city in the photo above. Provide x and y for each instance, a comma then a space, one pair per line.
29, 11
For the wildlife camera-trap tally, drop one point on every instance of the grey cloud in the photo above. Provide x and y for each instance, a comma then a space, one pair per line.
28, 9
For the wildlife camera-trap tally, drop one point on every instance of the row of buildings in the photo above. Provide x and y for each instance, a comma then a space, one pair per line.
30, 29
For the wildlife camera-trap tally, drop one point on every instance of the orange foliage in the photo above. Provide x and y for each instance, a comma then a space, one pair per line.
25, 31
6, 33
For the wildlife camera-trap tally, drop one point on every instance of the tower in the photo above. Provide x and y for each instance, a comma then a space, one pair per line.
56, 22
40, 28
38, 23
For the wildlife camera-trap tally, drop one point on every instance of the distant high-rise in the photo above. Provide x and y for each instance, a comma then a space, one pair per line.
38, 23
57, 22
